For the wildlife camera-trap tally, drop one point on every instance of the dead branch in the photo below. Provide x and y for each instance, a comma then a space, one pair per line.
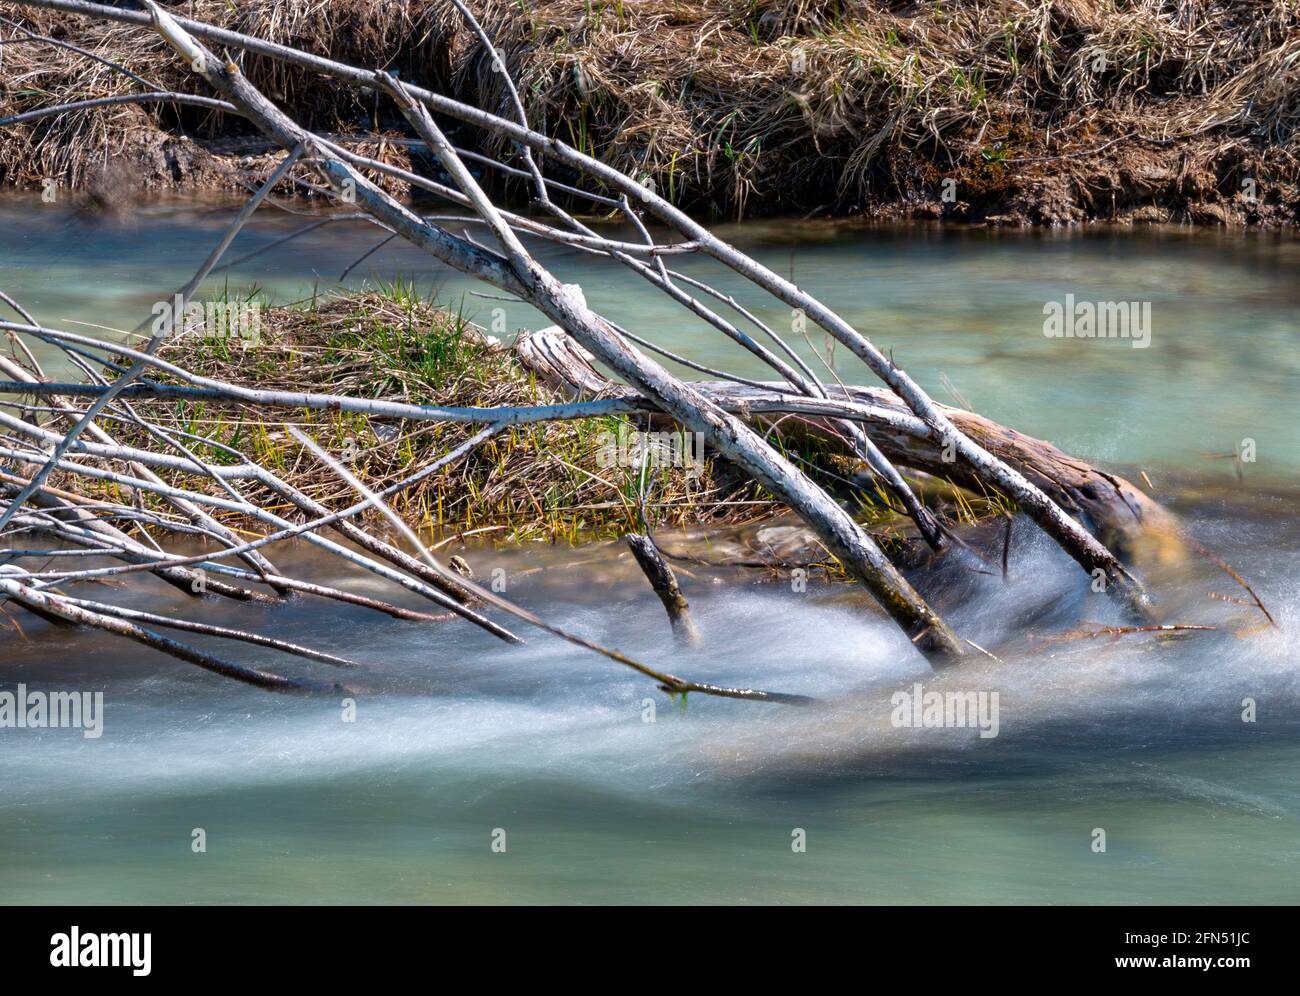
664, 582
896, 426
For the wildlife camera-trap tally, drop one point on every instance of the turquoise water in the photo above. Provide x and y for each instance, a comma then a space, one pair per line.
1223, 365
457, 736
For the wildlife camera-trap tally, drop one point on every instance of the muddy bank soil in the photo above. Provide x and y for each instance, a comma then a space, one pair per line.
1004, 112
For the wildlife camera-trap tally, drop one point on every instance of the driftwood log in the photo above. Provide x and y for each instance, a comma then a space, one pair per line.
1113, 509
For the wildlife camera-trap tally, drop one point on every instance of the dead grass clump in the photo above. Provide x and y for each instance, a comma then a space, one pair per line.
1039, 110
1032, 106
546, 481
73, 146
550, 481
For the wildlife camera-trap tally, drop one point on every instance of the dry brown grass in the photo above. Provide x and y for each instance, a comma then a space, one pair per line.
1048, 110
761, 105
75, 147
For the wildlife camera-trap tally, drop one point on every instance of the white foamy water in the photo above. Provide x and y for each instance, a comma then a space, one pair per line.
457, 735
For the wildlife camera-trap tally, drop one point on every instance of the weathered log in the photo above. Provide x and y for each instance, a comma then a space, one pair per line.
1119, 514
664, 582
561, 363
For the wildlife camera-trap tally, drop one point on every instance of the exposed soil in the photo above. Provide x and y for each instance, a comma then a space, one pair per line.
1042, 112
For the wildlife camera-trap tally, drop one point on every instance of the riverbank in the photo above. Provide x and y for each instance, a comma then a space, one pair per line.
1004, 112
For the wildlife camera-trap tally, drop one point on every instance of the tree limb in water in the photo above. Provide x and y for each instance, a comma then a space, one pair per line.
891, 427
664, 582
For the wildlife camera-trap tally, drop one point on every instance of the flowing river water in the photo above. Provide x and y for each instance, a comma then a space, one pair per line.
460, 741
